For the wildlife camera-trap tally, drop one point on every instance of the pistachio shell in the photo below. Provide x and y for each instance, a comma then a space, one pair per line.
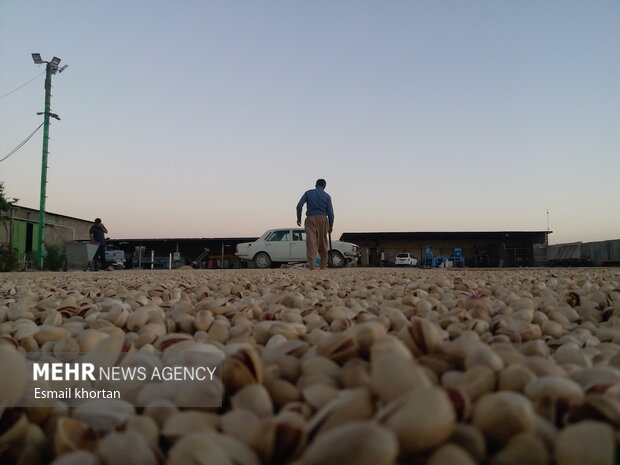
590, 442
450, 454
523, 448
183, 423
103, 415
79, 457
125, 448
392, 375
12, 387
241, 366
361, 443
14, 426
72, 435
347, 406
549, 393
201, 449
421, 419
501, 415
255, 398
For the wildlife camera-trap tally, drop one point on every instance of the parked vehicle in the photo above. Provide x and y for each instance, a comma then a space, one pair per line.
288, 245
115, 259
405, 259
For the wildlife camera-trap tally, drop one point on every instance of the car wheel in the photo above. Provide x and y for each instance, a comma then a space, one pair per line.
262, 260
337, 258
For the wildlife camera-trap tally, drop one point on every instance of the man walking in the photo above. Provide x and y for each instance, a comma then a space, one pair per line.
97, 236
319, 222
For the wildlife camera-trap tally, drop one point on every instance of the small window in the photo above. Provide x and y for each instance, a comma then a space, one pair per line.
279, 236
299, 235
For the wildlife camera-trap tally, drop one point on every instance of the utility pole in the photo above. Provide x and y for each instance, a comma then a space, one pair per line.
51, 67
46, 131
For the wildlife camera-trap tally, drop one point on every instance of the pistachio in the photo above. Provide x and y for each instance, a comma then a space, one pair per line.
421, 336
255, 398
359, 442
12, 387
392, 375
523, 448
103, 415
501, 415
470, 439
13, 426
79, 457
183, 423
338, 347
72, 435
346, 406
590, 442
515, 378
241, 366
281, 438
204, 449
243, 425
450, 454
553, 395
421, 419
125, 448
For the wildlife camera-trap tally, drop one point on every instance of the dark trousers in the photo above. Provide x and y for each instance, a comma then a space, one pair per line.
100, 256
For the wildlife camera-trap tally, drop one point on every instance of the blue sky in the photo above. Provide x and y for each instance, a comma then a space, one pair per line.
204, 119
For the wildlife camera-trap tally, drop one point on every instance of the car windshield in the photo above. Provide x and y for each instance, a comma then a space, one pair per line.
403, 255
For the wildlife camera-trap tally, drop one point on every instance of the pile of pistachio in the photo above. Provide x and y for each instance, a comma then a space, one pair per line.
349, 366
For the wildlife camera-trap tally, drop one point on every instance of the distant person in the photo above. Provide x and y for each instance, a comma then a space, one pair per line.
319, 222
97, 236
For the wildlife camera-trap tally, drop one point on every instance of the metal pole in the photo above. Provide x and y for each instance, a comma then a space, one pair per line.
46, 125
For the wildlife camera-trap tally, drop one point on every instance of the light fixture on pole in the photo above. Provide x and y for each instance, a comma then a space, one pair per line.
51, 67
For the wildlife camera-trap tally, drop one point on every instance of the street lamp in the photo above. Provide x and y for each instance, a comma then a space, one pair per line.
50, 68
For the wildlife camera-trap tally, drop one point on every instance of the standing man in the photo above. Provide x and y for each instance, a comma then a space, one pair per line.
97, 236
319, 222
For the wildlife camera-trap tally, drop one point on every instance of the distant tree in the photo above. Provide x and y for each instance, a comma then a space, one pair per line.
5, 208
8, 255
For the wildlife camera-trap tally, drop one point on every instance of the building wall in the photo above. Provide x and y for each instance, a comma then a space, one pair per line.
473, 251
602, 252
480, 250
188, 252
22, 229
599, 253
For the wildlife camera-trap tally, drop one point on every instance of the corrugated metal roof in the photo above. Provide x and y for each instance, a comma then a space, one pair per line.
434, 234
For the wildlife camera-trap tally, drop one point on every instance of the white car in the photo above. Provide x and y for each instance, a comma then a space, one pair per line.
405, 259
288, 245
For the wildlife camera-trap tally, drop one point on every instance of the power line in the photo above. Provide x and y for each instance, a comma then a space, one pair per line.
21, 144
23, 85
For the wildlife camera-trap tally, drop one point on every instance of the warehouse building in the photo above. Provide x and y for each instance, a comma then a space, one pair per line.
480, 249
20, 230
173, 253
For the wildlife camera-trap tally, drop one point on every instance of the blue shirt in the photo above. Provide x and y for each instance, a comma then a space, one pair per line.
319, 203
97, 233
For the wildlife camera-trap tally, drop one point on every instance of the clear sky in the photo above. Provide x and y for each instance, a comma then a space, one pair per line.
201, 118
